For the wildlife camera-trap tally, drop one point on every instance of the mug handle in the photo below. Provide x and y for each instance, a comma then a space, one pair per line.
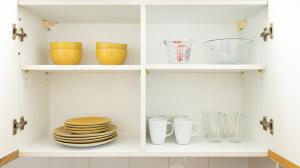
171, 132
196, 128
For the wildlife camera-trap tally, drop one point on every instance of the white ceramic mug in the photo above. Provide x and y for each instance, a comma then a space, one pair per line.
184, 129
180, 117
158, 129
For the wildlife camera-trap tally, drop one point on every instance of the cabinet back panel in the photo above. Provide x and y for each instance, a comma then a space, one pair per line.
114, 95
35, 48
90, 33
156, 33
189, 94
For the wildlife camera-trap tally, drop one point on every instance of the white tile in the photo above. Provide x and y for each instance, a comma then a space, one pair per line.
109, 162
29, 162
236, 162
258, 162
66, 162
188, 162
148, 162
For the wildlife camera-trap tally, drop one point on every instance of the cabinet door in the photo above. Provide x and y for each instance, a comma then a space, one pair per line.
283, 79
9, 80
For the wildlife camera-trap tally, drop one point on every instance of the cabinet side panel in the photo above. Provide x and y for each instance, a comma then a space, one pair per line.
253, 106
34, 49
255, 25
33, 88
34, 92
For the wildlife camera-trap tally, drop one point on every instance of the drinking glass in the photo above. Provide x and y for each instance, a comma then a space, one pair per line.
235, 126
205, 123
215, 126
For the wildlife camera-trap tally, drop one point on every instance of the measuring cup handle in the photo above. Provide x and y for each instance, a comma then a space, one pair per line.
171, 132
196, 128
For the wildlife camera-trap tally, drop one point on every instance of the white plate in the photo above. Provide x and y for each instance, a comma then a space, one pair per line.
87, 145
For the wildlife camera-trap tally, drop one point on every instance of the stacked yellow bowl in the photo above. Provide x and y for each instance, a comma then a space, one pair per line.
66, 53
111, 53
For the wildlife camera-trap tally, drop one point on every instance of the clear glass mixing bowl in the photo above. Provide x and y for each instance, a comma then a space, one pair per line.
228, 50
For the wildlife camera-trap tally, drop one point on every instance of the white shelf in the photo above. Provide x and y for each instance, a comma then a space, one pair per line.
203, 148
82, 68
205, 68
151, 68
128, 146
123, 146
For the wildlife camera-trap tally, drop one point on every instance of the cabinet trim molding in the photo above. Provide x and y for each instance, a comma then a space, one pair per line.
8, 158
281, 160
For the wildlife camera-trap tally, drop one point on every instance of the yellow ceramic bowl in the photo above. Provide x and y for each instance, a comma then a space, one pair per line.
66, 53
111, 53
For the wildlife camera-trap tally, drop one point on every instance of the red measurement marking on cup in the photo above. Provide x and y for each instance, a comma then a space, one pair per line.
180, 50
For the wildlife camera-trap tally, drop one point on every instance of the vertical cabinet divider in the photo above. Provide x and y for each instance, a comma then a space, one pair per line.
143, 76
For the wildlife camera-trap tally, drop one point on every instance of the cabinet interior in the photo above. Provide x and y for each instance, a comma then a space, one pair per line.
89, 24
129, 97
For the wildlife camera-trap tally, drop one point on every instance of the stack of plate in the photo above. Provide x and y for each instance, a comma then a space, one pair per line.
86, 132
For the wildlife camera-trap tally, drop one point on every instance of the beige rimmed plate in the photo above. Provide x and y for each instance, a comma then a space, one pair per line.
83, 138
79, 141
89, 144
87, 132
87, 121
60, 131
87, 129
88, 126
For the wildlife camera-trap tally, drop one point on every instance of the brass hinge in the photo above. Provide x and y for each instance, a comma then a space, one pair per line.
267, 33
267, 124
49, 24
19, 125
18, 33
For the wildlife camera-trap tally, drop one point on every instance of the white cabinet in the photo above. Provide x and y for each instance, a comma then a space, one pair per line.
146, 85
